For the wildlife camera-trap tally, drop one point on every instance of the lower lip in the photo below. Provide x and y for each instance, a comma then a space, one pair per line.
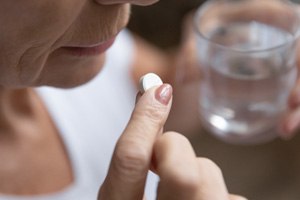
89, 51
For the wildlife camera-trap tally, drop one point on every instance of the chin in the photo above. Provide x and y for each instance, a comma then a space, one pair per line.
72, 74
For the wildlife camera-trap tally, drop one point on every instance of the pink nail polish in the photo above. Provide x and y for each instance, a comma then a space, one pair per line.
164, 93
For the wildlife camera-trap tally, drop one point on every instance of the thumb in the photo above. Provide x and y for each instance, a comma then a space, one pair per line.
132, 156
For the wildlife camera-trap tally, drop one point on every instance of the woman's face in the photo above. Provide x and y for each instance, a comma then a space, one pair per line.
57, 42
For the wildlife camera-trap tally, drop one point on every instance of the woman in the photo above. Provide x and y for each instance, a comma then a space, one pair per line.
49, 144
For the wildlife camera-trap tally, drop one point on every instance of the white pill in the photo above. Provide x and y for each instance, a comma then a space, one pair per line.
148, 81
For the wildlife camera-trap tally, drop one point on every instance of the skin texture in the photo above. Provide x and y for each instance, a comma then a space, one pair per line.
183, 176
33, 157
32, 40
33, 33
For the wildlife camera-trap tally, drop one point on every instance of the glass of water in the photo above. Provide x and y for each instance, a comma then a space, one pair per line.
247, 56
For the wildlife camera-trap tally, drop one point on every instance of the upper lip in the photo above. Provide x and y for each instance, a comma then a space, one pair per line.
91, 44
88, 45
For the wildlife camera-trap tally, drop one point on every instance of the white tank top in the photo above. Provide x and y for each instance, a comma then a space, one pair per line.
90, 119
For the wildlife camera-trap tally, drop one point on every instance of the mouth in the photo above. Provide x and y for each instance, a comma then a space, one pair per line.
89, 50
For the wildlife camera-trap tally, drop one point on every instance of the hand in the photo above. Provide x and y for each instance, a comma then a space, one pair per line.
183, 176
291, 122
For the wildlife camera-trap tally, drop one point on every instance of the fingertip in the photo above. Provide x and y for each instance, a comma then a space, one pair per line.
148, 81
164, 93
289, 127
159, 97
167, 155
237, 197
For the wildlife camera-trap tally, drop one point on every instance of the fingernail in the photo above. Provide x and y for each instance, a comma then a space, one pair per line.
163, 94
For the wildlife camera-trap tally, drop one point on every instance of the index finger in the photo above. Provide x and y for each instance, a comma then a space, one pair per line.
133, 152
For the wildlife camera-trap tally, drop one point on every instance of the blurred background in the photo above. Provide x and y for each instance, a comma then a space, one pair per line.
161, 23
262, 172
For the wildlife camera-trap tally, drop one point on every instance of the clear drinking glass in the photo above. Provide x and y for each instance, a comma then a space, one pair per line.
247, 55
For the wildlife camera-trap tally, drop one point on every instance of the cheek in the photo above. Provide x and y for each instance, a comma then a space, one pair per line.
28, 31
36, 28
36, 22
19, 65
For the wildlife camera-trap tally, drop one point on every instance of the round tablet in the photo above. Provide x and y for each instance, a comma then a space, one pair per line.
148, 81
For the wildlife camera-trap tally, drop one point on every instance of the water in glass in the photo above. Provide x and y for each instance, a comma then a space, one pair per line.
245, 90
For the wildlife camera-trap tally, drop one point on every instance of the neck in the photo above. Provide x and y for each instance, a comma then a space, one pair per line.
14, 104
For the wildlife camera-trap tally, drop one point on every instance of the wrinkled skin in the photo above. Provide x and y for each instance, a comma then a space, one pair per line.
34, 37
33, 33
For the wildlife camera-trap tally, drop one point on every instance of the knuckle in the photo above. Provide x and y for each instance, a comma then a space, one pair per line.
131, 161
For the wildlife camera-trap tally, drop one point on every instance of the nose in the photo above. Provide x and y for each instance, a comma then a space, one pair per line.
134, 2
